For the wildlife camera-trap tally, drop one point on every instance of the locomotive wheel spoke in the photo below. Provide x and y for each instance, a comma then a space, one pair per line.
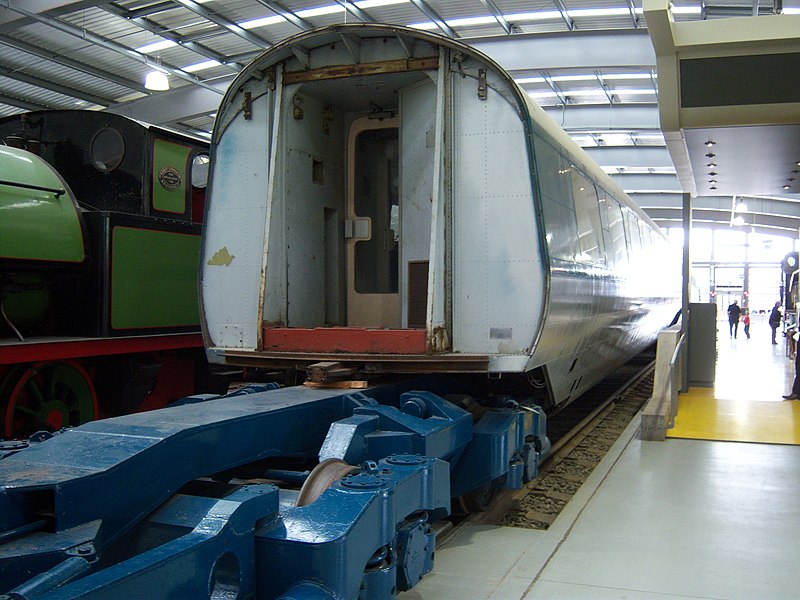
47, 396
27, 411
36, 393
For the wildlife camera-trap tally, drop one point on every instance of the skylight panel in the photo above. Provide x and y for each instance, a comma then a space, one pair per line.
320, 11
686, 10
367, 4
201, 66
523, 80
262, 22
156, 46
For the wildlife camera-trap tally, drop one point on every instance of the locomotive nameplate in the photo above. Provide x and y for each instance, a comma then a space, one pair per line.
169, 178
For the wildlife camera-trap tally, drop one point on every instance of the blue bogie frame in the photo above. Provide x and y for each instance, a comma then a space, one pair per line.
149, 505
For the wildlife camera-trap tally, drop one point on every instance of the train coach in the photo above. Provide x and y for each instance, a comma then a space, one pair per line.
383, 202
99, 246
393, 201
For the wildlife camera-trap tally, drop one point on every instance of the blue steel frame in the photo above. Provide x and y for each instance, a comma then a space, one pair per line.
146, 505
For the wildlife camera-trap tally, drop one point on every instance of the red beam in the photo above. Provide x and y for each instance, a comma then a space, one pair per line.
353, 340
22, 352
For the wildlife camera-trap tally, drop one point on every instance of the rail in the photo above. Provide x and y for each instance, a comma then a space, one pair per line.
659, 413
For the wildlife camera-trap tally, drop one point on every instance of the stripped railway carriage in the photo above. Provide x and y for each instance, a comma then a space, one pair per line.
99, 246
392, 200
389, 199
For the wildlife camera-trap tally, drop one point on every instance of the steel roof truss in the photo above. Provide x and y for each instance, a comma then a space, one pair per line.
355, 11
99, 40
164, 32
281, 10
199, 9
54, 87
498, 14
565, 15
72, 64
425, 8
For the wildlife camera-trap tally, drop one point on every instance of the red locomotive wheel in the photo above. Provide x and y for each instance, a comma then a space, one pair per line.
47, 396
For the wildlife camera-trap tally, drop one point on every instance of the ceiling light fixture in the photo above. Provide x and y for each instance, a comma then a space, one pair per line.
741, 207
156, 79
712, 165
712, 181
709, 144
712, 173
738, 221
710, 155
786, 187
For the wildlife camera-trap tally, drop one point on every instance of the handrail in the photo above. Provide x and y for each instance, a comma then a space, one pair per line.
655, 420
29, 186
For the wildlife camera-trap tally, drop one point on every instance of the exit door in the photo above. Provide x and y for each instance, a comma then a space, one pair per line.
372, 228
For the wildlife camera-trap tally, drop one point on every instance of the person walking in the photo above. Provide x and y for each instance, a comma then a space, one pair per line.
775, 320
734, 312
746, 321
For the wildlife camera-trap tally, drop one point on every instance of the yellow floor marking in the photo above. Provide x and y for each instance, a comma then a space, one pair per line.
704, 417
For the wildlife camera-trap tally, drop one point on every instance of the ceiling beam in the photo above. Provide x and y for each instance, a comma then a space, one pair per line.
428, 11
587, 50
23, 104
202, 11
497, 14
281, 10
108, 44
164, 32
570, 22
355, 11
72, 64
603, 117
54, 87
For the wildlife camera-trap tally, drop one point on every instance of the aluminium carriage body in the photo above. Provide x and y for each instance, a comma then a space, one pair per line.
392, 200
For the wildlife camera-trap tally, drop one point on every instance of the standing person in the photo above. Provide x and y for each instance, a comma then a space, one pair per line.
775, 320
734, 312
746, 321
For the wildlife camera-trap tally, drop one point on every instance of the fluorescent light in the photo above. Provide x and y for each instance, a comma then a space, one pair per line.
156, 46
201, 66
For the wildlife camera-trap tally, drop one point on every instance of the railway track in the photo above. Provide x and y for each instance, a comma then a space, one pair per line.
581, 435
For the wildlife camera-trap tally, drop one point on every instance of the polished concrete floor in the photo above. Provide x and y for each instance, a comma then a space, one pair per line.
684, 518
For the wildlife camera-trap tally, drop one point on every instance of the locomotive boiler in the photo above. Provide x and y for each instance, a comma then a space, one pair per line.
393, 201
99, 245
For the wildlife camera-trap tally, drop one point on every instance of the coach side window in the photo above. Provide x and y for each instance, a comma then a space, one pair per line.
552, 172
587, 212
617, 229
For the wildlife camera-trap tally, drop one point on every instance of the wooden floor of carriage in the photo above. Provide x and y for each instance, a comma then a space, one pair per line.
713, 512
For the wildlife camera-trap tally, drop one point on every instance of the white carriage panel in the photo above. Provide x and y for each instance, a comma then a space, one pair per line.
498, 274
233, 233
312, 183
417, 142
